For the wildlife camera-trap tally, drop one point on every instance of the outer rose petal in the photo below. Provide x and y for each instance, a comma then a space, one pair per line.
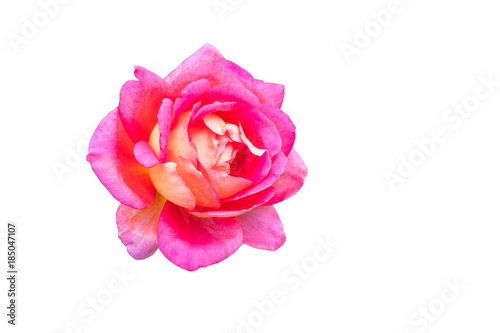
207, 53
262, 228
284, 125
292, 179
137, 228
191, 242
230, 93
112, 159
268, 93
213, 72
139, 103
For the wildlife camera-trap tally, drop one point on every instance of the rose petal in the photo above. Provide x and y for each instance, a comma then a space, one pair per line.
203, 139
214, 123
213, 72
226, 156
164, 123
137, 228
179, 143
250, 145
145, 155
292, 179
217, 125
194, 111
258, 128
277, 168
190, 242
267, 93
170, 184
237, 207
206, 54
139, 103
189, 94
112, 158
283, 124
213, 107
201, 188
258, 167
230, 93
226, 185
262, 228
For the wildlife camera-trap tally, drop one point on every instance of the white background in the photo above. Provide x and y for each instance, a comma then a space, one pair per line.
353, 121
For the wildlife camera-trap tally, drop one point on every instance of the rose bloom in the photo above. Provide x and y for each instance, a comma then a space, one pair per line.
197, 161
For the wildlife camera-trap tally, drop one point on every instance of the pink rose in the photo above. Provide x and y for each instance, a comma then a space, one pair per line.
197, 161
